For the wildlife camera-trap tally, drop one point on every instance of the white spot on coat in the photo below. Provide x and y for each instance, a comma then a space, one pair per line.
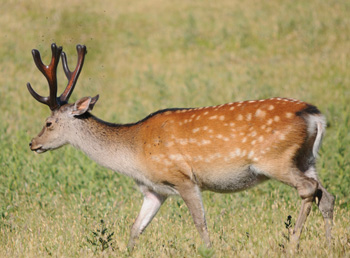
238, 151
205, 142
176, 157
253, 134
249, 117
192, 140
289, 115
260, 113
168, 144
182, 141
261, 138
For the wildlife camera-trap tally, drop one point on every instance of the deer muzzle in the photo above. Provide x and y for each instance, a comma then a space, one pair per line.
38, 148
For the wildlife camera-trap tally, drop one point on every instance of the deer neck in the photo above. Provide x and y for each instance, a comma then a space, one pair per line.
110, 145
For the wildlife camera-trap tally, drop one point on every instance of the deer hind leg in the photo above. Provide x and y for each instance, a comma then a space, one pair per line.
151, 204
326, 206
192, 197
325, 203
307, 189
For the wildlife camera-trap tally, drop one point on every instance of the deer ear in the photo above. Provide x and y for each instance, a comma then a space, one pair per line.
84, 105
93, 102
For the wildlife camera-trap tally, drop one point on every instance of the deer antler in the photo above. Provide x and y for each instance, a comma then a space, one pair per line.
50, 73
72, 76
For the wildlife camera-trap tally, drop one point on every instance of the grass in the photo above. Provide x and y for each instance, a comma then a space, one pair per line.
157, 54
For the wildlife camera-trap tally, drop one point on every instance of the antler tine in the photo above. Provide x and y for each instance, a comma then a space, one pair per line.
39, 98
50, 74
72, 76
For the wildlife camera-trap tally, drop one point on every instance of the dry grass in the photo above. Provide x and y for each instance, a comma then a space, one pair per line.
156, 54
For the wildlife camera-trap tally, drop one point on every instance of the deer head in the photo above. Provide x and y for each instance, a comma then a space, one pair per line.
53, 134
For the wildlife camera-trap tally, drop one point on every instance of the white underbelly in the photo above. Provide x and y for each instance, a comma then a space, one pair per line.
231, 180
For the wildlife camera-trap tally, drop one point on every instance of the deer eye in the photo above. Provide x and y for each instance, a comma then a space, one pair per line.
48, 124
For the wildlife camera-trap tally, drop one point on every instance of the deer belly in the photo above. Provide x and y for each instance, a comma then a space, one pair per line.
231, 180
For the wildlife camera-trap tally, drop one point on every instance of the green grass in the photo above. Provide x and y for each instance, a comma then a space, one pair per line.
148, 55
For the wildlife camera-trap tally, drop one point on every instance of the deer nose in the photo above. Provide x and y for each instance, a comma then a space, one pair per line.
30, 144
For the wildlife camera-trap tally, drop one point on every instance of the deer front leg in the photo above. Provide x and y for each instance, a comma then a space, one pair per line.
193, 199
151, 204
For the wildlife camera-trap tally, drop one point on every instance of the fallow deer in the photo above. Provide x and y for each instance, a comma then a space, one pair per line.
184, 151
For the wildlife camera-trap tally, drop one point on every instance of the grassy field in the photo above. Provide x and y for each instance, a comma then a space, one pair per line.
148, 55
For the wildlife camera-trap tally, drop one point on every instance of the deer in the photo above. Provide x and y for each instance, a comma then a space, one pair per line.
184, 151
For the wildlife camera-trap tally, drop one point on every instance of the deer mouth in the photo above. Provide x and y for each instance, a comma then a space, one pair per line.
38, 149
